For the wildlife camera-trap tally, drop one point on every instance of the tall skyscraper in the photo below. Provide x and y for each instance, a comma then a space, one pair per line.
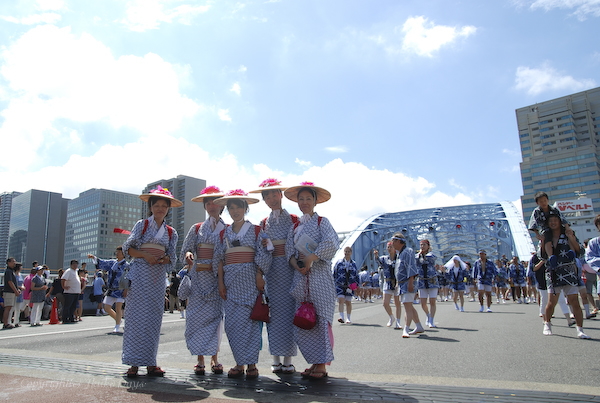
37, 228
91, 221
183, 188
5, 209
560, 142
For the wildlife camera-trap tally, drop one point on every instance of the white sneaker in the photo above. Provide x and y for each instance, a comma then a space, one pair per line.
417, 330
390, 322
405, 333
456, 306
462, 309
489, 310
432, 323
582, 335
481, 309
398, 325
547, 329
348, 322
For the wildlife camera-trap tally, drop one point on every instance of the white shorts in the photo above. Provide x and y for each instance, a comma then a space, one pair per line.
520, 284
566, 289
345, 297
9, 299
483, 287
428, 293
408, 297
111, 300
389, 292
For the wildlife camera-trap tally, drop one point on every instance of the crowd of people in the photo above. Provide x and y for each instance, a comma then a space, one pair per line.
560, 272
286, 260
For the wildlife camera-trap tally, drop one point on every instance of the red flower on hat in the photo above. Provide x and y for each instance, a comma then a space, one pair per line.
236, 192
270, 182
307, 184
210, 190
162, 191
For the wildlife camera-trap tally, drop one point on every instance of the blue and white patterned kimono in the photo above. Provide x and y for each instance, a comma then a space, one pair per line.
114, 269
316, 344
457, 280
146, 296
501, 276
406, 267
345, 273
427, 271
199, 286
592, 254
566, 273
484, 277
244, 334
388, 267
517, 274
375, 280
278, 279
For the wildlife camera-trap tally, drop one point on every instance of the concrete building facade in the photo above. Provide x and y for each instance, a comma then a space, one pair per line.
559, 142
92, 218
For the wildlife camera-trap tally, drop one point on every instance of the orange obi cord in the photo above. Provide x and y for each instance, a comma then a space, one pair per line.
203, 267
154, 249
279, 245
239, 254
205, 251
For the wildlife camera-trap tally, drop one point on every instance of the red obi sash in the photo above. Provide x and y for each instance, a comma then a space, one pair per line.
154, 249
205, 251
279, 245
239, 254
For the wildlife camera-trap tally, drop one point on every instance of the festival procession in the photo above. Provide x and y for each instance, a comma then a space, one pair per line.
237, 279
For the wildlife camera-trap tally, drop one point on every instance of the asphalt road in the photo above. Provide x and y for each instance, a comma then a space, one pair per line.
503, 350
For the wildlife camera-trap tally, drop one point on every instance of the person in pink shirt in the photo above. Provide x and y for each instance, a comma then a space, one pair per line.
27, 290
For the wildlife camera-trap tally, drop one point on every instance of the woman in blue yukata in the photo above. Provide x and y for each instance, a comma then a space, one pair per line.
204, 322
240, 261
152, 245
310, 247
457, 274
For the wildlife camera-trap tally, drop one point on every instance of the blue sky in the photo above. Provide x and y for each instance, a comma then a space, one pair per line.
391, 105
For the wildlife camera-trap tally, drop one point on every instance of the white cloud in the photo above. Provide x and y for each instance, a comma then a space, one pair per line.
582, 8
242, 69
417, 36
512, 153
424, 37
142, 15
236, 88
224, 115
54, 5
535, 81
302, 163
34, 19
346, 209
54, 75
337, 149
452, 182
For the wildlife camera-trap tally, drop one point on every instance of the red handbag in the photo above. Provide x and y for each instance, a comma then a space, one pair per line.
260, 312
306, 315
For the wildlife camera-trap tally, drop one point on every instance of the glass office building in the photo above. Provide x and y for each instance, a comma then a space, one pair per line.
5, 209
559, 142
37, 228
92, 218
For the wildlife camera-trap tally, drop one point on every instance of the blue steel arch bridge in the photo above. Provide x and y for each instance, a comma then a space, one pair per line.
459, 230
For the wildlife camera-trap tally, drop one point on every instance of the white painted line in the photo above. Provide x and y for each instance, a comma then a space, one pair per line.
60, 331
